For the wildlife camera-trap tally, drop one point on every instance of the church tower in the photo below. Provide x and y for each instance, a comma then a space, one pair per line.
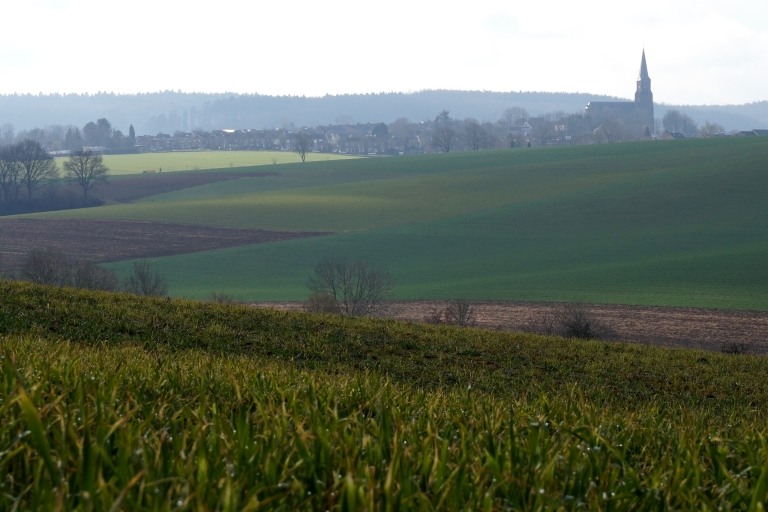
643, 93
644, 98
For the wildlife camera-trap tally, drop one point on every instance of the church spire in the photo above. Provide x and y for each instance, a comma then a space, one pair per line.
643, 93
644, 70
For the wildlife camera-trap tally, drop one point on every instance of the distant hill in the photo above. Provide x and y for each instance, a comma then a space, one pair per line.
170, 111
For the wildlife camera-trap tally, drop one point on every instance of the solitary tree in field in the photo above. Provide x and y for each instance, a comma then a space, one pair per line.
86, 169
303, 144
356, 286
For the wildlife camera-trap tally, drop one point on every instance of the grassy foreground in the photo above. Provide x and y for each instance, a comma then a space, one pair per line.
111, 401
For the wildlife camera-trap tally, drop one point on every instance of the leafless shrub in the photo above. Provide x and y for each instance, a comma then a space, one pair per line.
460, 312
320, 302
356, 286
89, 275
222, 298
145, 280
46, 266
457, 312
570, 321
735, 348
52, 267
436, 316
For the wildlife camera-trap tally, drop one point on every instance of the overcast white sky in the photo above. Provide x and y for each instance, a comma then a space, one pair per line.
698, 51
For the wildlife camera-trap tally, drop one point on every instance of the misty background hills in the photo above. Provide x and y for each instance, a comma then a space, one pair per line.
168, 111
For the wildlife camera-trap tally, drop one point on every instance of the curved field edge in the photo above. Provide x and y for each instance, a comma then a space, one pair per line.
108, 397
653, 223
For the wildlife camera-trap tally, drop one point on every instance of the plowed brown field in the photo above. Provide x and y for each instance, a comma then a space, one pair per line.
114, 240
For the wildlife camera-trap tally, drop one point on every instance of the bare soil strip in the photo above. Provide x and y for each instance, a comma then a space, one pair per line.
114, 240
129, 188
708, 329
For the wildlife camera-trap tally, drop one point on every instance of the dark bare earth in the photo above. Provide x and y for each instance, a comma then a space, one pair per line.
128, 188
114, 240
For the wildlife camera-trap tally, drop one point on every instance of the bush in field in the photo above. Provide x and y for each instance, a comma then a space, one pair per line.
46, 266
51, 267
145, 280
87, 274
735, 348
321, 302
356, 286
458, 312
571, 321
222, 298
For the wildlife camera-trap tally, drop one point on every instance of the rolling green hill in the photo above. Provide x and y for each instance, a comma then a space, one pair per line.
110, 401
656, 223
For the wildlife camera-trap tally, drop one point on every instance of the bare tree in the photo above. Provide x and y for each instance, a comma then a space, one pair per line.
710, 130
303, 144
145, 280
87, 274
675, 121
35, 165
512, 117
443, 134
86, 169
10, 179
356, 286
46, 266
611, 130
52, 267
460, 312
476, 136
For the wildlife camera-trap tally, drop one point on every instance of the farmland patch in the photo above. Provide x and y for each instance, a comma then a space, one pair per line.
115, 240
126, 189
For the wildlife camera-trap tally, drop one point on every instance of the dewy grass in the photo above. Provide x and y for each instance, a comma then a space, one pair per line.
109, 401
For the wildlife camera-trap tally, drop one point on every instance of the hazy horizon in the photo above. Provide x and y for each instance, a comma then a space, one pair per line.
700, 52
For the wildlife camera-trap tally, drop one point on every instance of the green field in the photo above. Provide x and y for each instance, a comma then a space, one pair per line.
115, 402
196, 160
657, 223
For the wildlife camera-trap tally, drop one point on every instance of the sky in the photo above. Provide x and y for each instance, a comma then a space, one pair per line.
699, 52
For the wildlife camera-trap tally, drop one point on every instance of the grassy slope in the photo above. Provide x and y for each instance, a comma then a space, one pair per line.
664, 223
148, 402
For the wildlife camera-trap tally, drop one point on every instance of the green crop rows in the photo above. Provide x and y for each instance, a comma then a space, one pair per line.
109, 401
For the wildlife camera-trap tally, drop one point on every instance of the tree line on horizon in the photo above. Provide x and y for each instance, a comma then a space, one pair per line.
171, 111
444, 133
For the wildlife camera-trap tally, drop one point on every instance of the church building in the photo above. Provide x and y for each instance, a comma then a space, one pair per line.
626, 119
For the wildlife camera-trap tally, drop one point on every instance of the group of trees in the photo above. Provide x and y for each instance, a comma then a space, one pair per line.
676, 123
26, 167
100, 134
54, 268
